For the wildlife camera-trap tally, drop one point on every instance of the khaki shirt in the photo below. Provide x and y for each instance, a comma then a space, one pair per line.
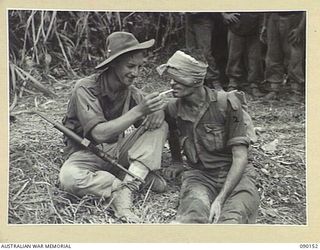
207, 137
91, 103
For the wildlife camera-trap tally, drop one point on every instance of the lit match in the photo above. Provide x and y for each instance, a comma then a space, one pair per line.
166, 92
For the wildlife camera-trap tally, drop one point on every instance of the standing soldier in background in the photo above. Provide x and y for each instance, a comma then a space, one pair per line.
244, 51
199, 30
284, 33
101, 108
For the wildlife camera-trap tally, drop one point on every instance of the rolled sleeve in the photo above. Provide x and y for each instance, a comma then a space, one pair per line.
238, 140
88, 109
237, 132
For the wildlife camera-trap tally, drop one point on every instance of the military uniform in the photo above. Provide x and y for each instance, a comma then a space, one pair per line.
206, 137
283, 57
92, 103
199, 30
244, 57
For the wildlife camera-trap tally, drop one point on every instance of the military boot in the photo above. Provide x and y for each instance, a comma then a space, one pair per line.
159, 184
273, 93
256, 92
121, 202
295, 93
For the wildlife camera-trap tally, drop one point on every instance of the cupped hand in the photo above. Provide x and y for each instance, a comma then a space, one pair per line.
215, 211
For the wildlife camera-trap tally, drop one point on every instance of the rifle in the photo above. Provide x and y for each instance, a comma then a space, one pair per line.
87, 144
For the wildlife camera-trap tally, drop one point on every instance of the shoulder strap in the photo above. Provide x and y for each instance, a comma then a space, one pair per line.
237, 100
222, 100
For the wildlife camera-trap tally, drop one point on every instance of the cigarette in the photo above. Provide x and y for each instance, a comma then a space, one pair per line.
166, 92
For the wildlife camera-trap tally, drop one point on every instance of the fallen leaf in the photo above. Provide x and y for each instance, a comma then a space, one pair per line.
266, 172
271, 146
271, 213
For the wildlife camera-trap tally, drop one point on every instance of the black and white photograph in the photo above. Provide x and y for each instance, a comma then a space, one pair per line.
157, 117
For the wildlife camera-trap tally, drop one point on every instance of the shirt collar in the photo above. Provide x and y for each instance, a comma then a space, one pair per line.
183, 112
105, 88
103, 82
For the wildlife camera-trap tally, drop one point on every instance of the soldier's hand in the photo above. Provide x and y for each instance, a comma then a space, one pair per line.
263, 35
215, 211
173, 171
231, 17
154, 120
294, 36
151, 103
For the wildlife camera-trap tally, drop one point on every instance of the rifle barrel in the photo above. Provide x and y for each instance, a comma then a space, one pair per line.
87, 143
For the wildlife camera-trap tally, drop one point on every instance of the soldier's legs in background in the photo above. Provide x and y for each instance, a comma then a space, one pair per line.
296, 68
294, 56
234, 70
190, 34
203, 29
275, 68
255, 72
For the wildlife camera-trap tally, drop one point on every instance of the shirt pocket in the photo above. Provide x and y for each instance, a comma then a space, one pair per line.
213, 137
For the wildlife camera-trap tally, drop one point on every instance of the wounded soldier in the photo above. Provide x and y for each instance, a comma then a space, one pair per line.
219, 185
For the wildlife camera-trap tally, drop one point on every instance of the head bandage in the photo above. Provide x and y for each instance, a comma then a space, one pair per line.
185, 66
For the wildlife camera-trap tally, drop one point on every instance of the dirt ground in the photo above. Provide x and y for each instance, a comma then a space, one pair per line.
36, 155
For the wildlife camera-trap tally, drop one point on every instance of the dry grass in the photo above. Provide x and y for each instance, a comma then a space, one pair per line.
45, 51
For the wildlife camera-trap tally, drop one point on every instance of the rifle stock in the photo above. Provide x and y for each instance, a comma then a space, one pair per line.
87, 144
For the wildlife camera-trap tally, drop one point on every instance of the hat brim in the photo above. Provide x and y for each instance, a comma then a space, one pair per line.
140, 46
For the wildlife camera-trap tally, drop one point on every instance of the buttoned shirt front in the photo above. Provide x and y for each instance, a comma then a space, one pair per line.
93, 102
207, 136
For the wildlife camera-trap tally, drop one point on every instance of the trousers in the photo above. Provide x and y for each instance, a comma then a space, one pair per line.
283, 57
199, 189
244, 59
199, 35
84, 173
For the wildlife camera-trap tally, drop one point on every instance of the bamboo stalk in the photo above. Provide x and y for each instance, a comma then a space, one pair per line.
63, 52
35, 82
14, 102
40, 28
25, 36
13, 77
102, 20
53, 17
68, 39
85, 20
124, 20
35, 50
24, 83
119, 20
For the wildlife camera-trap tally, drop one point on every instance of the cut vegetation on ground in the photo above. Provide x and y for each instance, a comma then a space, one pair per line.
50, 50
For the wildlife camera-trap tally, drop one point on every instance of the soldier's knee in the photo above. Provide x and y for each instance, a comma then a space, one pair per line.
69, 177
233, 217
